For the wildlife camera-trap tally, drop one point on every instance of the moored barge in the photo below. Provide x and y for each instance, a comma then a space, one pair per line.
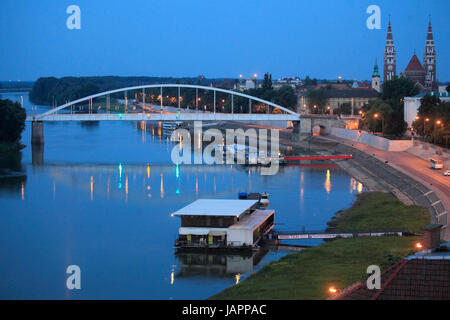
223, 224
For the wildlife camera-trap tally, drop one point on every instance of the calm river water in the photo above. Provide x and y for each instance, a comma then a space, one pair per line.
99, 195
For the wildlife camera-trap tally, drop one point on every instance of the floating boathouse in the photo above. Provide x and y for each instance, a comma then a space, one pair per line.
223, 224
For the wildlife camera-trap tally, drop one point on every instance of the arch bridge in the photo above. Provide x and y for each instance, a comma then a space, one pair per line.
69, 112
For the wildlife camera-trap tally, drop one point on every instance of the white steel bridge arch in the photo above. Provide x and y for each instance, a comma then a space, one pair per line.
52, 115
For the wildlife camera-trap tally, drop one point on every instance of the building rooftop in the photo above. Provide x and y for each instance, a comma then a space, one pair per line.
251, 221
414, 64
351, 93
216, 207
437, 94
409, 279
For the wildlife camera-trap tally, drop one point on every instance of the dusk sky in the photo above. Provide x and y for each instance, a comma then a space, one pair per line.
322, 39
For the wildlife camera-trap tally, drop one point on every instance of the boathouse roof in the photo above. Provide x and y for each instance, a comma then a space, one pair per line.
216, 207
252, 221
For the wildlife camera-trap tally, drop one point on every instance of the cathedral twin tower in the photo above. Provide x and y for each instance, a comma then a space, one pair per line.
424, 76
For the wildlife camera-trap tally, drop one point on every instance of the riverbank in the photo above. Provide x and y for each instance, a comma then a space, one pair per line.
340, 262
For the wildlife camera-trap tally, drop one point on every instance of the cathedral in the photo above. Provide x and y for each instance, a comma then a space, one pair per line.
423, 74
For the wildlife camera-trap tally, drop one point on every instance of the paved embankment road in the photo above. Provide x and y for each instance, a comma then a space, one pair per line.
415, 167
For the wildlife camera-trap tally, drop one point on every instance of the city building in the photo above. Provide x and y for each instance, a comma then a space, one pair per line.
429, 62
424, 75
390, 58
415, 72
293, 82
411, 105
356, 95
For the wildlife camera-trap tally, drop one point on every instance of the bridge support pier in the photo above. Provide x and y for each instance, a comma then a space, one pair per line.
302, 129
37, 154
37, 132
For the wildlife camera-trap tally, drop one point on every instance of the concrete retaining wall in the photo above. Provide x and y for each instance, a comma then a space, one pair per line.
372, 140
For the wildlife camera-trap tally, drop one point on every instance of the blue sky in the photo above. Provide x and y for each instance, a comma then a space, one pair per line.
321, 38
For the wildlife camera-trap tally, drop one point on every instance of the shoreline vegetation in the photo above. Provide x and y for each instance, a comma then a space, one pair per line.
308, 274
10, 147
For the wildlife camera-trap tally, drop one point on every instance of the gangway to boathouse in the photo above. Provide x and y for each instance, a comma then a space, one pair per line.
298, 235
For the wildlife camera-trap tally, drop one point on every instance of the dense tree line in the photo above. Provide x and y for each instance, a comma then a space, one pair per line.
385, 114
12, 121
433, 120
51, 90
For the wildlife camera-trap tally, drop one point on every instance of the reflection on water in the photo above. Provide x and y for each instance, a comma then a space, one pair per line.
100, 196
218, 265
12, 176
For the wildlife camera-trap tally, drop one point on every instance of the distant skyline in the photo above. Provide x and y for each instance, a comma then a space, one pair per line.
185, 38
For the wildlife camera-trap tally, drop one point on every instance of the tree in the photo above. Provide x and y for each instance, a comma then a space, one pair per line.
285, 97
395, 90
317, 98
448, 88
376, 115
267, 82
12, 121
310, 82
428, 104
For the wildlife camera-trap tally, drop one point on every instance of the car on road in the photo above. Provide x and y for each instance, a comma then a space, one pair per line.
447, 172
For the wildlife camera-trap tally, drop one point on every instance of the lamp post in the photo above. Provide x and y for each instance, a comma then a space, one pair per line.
376, 116
438, 123
425, 120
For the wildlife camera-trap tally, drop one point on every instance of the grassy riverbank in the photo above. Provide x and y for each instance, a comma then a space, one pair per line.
340, 262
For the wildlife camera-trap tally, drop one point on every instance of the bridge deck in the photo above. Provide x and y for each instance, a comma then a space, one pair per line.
163, 117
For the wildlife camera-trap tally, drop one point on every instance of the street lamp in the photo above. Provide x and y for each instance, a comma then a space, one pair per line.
438, 122
376, 115
332, 290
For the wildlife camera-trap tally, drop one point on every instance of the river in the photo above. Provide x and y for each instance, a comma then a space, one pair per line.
99, 195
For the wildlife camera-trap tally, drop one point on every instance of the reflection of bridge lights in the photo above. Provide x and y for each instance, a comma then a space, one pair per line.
238, 277
126, 186
172, 277
177, 171
92, 187
120, 170
148, 170
162, 186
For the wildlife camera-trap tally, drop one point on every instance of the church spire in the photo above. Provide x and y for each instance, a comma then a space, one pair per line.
430, 30
390, 60
429, 61
376, 77
389, 33
375, 69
